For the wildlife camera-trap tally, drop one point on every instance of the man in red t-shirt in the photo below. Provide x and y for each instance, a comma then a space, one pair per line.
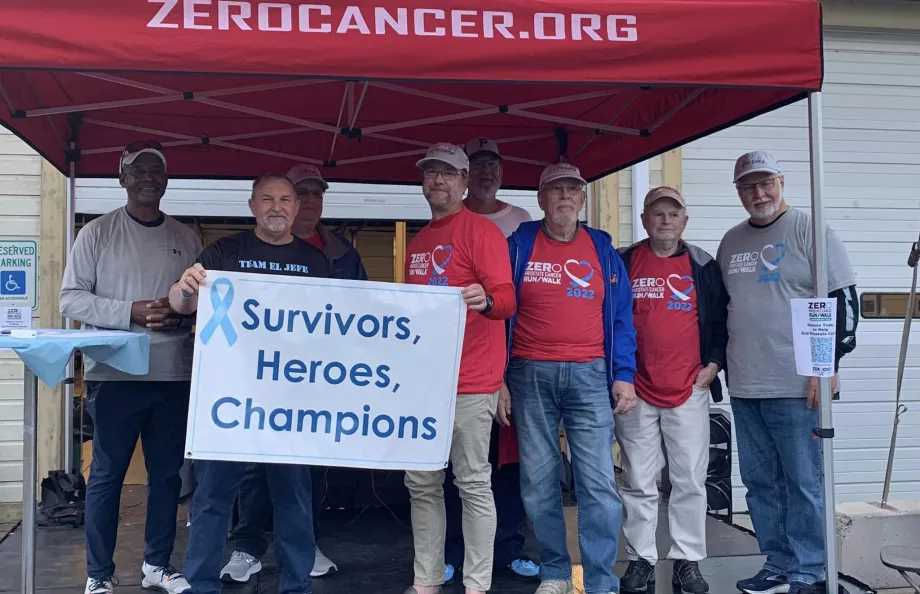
679, 310
461, 249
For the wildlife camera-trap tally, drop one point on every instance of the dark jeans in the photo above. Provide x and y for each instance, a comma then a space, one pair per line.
121, 412
255, 509
509, 509
218, 486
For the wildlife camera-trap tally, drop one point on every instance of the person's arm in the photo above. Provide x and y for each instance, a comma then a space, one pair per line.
360, 272
183, 295
624, 331
78, 300
847, 320
718, 317
493, 269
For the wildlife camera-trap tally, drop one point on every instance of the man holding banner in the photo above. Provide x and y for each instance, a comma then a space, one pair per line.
461, 249
270, 249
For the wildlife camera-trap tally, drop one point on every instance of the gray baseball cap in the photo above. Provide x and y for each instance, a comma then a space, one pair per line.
756, 162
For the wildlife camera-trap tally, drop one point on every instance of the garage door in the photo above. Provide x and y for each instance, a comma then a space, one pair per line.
872, 191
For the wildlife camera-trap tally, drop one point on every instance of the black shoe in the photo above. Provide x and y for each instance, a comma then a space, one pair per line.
638, 577
687, 578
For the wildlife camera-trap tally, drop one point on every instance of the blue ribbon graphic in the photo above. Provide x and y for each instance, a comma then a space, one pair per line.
220, 318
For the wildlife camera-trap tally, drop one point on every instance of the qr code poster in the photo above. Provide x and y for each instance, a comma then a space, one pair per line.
814, 331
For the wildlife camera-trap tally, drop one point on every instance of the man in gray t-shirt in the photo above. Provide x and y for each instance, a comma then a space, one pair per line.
118, 276
766, 261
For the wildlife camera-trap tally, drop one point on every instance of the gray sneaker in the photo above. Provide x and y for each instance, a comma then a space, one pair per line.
556, 587
241, 567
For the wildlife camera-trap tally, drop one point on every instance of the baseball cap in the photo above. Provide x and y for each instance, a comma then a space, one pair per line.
446, 152
298, 173
756, 162
482, 144
560, 171
664, 192
138, 148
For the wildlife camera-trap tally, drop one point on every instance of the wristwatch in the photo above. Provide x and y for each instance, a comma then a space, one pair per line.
489, 303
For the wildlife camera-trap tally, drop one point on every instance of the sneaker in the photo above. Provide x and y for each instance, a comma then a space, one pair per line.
687, 578
448, 573
799, 588
555, 587
322, 565
525, 568
165, 578
241, 567
765, 582
638, 577
98, 586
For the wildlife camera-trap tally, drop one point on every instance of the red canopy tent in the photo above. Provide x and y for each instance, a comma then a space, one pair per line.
235, 88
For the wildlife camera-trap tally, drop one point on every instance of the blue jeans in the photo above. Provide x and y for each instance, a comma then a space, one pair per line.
121, 412
542, 393
218, 485
780, 464
255, 508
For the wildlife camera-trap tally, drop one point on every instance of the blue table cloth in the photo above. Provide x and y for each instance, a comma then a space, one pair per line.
48, 353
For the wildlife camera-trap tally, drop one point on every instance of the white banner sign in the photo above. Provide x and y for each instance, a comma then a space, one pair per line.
324, 372
814, 333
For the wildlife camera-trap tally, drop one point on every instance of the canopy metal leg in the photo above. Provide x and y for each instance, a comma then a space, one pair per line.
29, 478
825, 430
68, 464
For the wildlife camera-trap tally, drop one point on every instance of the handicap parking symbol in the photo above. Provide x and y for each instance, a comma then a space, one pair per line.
12, 282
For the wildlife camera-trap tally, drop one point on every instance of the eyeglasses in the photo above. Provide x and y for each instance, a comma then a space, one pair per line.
448, 175
747, 190
562, 189
492, 164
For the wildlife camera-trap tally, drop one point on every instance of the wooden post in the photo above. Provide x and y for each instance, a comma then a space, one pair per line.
605, 195
399, 253
52, 256
671, 172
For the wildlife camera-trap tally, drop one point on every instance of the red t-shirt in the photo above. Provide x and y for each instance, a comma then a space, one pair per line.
667, 327
316, 241
457, 251
561, 302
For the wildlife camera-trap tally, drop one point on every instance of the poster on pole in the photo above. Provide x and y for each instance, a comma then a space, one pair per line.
814, 332
324, 372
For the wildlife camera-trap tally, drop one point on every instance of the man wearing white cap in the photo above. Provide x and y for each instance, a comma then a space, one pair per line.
766, 261
118, 277
572, 352
486, 168
679, 305
461, 249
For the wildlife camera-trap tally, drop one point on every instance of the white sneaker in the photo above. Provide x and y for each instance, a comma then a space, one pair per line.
98, 586
240, 568
322, 565
166, 579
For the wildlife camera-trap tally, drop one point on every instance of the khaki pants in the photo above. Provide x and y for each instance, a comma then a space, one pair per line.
469, 454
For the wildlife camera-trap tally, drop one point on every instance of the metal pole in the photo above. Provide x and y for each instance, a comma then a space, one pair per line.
68, 383
30, 478
819, 236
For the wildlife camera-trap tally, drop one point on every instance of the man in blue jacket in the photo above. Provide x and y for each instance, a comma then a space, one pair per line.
572, 349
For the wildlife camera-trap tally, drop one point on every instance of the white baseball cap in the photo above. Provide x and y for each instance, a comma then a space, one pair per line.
756, 162
481, 144
138, 148
664, 192
446, 152
298, 173
560, 171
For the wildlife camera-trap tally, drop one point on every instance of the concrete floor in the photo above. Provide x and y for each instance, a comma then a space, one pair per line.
373, 551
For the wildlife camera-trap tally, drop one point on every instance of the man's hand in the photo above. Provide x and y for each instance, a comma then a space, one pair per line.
624, 394
475, 297
504, 406
813, 401
154, 315
706, 376
191, 281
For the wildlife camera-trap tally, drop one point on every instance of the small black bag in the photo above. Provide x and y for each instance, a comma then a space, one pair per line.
62, 500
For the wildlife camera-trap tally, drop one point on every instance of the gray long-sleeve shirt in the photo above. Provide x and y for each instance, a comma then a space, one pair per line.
116, 261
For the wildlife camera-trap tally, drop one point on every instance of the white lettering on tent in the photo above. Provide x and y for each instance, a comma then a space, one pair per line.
420, 29
305, 18
159, 19
239, 19
458, 24
191, 15
382, 18
265, 16
617, 32
558, 25
353, 19
578, 26
490, 24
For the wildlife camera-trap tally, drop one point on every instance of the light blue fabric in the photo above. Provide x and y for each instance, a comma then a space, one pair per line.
48, 353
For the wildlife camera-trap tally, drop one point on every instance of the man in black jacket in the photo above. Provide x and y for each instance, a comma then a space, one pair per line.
679, 311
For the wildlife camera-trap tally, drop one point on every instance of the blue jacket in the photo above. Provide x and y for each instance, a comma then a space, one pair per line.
344, 260
619, 332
